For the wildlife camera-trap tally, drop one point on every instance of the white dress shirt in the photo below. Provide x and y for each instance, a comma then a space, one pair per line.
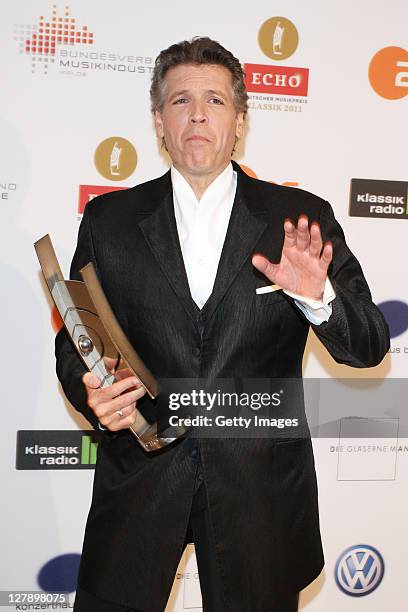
202, 227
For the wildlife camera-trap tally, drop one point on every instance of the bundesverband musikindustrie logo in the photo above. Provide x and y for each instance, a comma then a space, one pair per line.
56, 43
41, 40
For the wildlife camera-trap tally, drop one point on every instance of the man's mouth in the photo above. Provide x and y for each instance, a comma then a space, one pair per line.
198, 138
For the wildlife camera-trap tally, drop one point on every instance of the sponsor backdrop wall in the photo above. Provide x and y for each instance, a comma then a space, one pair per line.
328, 87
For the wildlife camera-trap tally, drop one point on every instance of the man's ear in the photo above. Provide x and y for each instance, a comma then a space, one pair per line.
239, 125
158, 122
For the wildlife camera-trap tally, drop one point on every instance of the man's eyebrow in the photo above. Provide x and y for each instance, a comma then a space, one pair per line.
216, 92
183, 92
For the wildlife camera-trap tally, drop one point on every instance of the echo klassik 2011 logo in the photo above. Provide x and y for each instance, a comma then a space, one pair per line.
388, 73
278, 39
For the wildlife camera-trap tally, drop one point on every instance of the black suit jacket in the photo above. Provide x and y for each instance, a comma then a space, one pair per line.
262, 493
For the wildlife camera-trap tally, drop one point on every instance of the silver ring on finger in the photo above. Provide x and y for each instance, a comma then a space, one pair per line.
120, 413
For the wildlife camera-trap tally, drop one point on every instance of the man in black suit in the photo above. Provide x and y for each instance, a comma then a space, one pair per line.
186, 262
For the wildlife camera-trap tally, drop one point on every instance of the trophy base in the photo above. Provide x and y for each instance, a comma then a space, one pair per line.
150, 440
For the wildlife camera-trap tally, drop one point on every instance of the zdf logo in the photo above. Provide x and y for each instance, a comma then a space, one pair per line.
388, 73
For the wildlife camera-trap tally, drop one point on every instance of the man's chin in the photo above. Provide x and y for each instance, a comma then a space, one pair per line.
205, 167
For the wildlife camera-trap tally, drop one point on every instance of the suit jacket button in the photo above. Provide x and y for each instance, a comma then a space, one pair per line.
196, 351
194, 453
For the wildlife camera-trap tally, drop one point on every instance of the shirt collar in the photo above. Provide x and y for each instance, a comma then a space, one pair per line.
183, 190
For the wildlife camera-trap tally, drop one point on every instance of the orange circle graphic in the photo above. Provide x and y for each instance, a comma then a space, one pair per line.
248, 171
56, 320
388, 73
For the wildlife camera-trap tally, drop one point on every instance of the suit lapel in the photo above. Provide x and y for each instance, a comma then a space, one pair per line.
245, 228
160, 232
247, 223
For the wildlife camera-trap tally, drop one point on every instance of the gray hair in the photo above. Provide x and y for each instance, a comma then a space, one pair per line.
199, 51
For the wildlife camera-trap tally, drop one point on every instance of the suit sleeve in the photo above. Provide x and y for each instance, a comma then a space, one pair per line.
356, 333
69, 365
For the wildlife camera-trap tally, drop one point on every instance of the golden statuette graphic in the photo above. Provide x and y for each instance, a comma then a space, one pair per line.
96, 334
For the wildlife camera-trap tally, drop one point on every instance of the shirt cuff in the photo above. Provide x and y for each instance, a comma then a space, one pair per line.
316, 311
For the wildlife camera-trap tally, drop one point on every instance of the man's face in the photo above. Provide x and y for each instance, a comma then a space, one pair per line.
198, 121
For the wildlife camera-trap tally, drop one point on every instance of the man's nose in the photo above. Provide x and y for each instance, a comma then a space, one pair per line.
198, 113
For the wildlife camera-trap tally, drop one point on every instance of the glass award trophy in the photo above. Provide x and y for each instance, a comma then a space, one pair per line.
96, 334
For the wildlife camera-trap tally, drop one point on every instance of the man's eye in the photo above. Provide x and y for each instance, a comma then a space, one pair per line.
216, 101
180, 101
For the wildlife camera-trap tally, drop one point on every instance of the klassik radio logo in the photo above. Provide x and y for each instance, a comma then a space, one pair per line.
56, 450
278, 39
376, 198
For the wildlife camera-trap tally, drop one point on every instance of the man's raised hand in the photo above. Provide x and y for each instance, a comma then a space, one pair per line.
304, 261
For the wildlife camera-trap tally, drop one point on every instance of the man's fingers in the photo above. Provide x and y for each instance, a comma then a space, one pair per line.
117, 388
90, 380
316, 242
123, 373
327, 254
110, 363
302, 235
107, 419
128, 419
109, 410
101, 400
265, 266
290, 233
125, 400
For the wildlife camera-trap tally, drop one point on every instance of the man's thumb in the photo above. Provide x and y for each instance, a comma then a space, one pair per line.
263, 264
